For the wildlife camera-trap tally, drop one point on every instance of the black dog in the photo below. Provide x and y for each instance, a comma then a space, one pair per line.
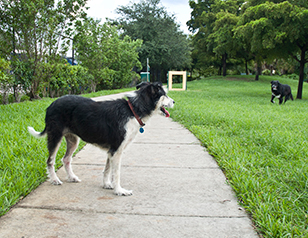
110, 125
281, 90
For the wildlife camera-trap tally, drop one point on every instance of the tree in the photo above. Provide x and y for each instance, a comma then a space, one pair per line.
214, 21
107, 57
277, 30
163, 43
202, 27
221, 39
31, 31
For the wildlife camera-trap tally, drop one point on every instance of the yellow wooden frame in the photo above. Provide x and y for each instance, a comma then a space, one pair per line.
184, 82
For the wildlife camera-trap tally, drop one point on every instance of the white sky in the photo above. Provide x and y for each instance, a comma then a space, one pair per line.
100, 9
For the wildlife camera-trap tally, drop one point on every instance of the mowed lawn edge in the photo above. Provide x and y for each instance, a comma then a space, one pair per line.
260, 146
23, 157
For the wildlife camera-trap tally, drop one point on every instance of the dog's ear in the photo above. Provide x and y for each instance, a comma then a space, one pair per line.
142, 84
272, 82
152, 89
158, 84
155, 87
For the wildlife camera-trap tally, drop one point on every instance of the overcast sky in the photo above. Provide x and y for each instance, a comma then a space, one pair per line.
100, 9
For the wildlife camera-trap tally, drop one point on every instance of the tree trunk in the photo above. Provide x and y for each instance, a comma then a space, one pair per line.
34, 90
246, 66
153, 74
34, 96
224, 64
5, 98
220, 66
271, 69
219, 70
258, 72
301, 74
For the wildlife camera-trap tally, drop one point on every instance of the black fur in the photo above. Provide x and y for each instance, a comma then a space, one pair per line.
281, 90
103, 122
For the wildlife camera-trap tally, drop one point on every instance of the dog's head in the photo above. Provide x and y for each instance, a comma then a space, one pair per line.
275, 85
155, 94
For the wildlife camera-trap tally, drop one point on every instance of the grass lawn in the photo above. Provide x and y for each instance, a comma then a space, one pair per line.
261, 147
23, 157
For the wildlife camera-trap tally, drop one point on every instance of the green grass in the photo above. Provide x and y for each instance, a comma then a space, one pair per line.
23, 157
261, 147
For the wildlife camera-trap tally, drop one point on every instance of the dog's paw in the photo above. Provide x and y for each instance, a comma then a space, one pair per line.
123, 192
74, 179
108, 186
55, 181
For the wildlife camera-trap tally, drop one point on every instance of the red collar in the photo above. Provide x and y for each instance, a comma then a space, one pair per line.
136, 116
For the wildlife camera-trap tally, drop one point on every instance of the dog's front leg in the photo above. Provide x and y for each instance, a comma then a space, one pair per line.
272, 100
116, 168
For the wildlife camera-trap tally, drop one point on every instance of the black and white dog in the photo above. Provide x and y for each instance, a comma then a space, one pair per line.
281, 90
110, 125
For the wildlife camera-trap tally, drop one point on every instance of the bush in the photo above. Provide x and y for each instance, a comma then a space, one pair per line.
266, 72
6, 80
291, 76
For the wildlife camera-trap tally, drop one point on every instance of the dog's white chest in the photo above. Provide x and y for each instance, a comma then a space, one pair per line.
277, 96
132, 128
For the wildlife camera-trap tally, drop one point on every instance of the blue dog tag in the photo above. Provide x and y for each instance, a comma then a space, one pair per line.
141, 130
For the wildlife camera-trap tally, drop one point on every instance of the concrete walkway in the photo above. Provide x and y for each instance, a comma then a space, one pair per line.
178, 191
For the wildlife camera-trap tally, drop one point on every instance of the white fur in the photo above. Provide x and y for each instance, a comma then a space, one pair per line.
53, 178
34, 132
164, 101
168, 102
131, 94
67, 162
277, 96
113, 164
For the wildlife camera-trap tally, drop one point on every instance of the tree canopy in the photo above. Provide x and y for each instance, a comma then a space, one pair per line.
163, 43
109, 59
279, 30
35, 37
213, 22
31, 32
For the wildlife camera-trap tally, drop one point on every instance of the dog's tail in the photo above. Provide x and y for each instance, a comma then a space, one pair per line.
291, 96
36, 133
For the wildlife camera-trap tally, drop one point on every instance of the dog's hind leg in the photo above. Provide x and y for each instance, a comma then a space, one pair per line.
116, 171
72, 142
54, 142
289, 96
107, 181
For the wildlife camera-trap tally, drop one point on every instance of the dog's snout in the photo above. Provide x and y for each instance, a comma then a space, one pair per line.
171, 102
